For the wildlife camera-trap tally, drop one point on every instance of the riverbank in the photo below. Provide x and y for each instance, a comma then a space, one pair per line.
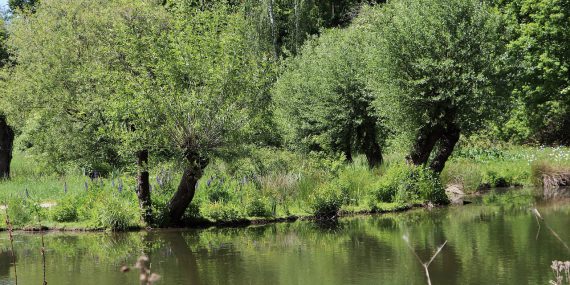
206, 223
275, 186
369, 248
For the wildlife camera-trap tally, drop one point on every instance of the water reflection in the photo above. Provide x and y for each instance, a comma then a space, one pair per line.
490, 243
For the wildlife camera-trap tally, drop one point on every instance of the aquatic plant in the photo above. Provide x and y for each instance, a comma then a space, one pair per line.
561, 271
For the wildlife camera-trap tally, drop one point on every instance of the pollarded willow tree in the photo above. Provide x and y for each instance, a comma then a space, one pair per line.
104, 80
435, 71
216, 87
323, 100
84, 82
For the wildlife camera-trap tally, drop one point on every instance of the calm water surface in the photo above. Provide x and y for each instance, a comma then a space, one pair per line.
496, 243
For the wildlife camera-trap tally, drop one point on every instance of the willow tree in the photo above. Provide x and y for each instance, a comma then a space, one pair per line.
83, 79
216, 86
136, 79
323, 99
435, 71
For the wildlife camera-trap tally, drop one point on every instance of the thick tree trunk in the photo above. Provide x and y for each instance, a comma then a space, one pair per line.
186, 189
6, 145
369, 142
424, 144
143, 185
348, 152
446, 145
374, 154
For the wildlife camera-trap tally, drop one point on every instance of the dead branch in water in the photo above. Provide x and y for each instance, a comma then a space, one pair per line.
538, 219
425, 265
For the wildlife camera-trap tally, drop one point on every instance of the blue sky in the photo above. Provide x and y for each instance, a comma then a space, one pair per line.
3, 3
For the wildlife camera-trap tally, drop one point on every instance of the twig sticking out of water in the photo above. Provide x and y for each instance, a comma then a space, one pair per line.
537, 215
425, 265
145, 277
538, 218
43, 250
11, 236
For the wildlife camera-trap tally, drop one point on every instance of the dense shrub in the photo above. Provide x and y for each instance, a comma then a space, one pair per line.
23, 211
327, 200
494, 179
65, 210
220, 211
406, 183
258, 207
383, 191
116, 213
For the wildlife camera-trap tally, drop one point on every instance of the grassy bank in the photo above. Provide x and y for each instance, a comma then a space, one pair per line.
483, 167
267, 187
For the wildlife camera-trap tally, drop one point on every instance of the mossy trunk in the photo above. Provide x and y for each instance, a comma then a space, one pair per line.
6, 146
143, 186
447, 143
187, 188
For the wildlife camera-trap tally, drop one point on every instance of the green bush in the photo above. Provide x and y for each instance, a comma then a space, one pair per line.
355, 180
193, 211
383, 191
327, 200
495, 179
116, 213
257, 207
65, 210
22, 211
406, 183
220, 211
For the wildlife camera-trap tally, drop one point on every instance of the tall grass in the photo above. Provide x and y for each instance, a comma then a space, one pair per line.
270, 183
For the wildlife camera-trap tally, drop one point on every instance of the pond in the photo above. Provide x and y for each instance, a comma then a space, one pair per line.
497, 241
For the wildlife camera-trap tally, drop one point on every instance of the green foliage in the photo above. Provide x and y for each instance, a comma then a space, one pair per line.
322, 98
435, 62
384, 190
23, 211
494, 179
65, 210
115, 213
217, 211
327, 200
406, 183
23, 5
257, 207
281, 26
539, 52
